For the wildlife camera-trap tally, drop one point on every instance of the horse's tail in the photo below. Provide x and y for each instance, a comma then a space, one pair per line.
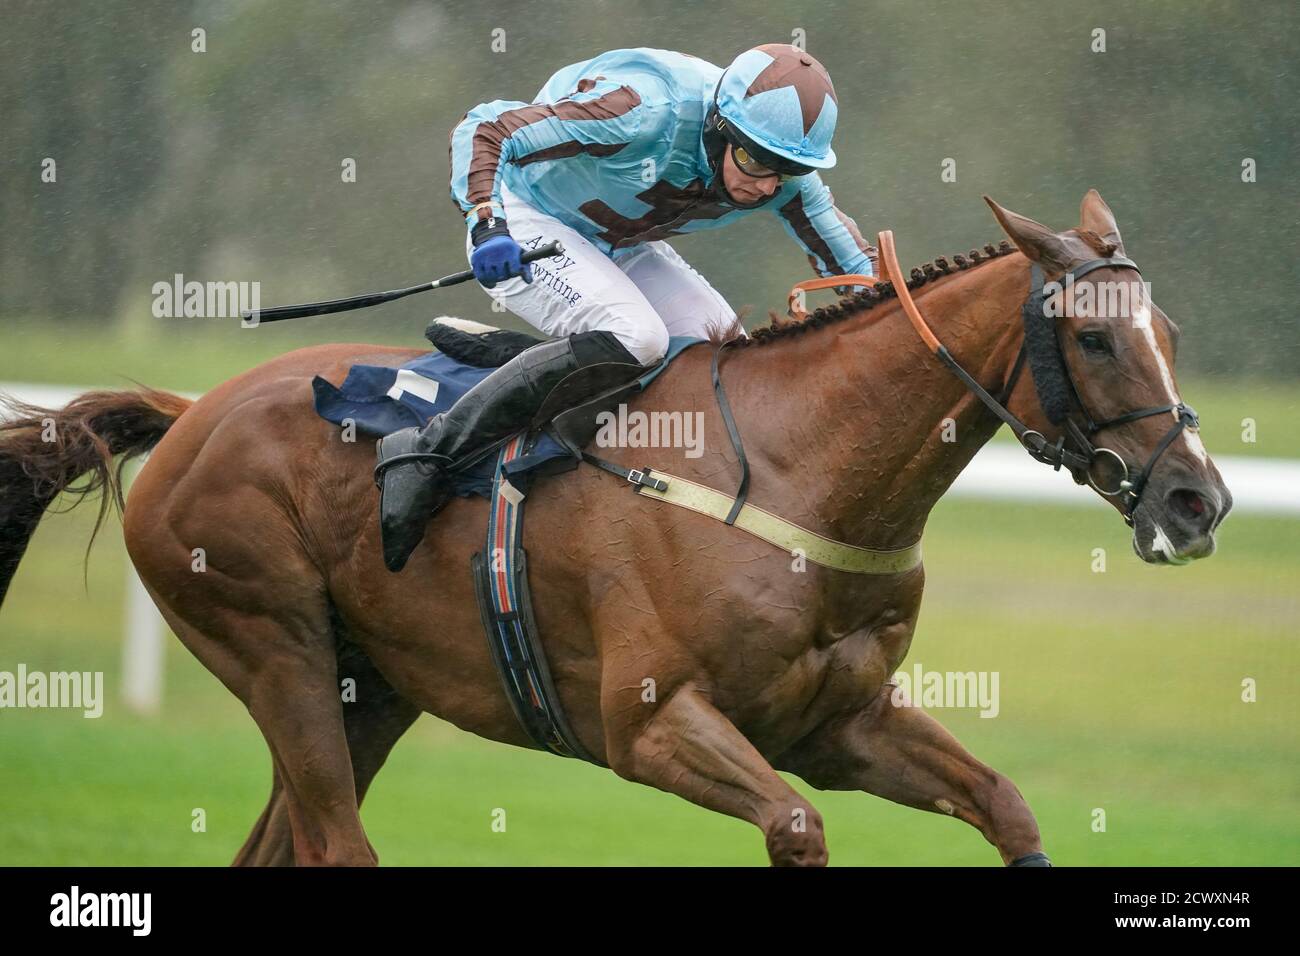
43, 451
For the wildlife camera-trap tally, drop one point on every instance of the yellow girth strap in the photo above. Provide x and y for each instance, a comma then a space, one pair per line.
783, 534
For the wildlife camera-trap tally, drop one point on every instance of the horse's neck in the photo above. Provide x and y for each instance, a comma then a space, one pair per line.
877, 428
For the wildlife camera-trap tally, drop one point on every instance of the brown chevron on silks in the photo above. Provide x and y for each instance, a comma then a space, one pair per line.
490, 136
569, 149
671, 207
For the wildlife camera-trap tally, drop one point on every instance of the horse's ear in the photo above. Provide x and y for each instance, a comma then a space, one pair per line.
1095, 216
1032, 238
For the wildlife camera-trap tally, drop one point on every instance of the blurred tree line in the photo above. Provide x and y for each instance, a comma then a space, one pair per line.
226, 164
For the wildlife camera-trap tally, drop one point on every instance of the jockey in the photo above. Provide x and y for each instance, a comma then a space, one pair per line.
613, 156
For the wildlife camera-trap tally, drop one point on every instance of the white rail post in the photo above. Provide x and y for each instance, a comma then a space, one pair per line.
144, 644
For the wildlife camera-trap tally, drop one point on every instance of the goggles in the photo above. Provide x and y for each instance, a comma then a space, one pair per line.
752, 160
748, 165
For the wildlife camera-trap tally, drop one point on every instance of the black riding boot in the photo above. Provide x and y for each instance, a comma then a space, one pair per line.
412, 491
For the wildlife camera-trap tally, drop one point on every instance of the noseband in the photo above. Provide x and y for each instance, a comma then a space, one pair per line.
1082, 459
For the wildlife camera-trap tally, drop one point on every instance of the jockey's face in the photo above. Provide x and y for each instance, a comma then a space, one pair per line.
746, 190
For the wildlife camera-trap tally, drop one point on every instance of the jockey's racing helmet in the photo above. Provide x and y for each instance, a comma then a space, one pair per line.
776, 101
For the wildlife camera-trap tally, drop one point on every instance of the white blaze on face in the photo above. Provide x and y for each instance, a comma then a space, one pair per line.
1142, 322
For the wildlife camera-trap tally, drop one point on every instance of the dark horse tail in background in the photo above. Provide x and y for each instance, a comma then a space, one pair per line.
853, 428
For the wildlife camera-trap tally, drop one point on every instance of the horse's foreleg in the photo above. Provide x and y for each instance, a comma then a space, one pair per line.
683, 745
904, 755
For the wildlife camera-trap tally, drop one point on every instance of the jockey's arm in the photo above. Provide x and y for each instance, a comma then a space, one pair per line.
600, 120
829, 237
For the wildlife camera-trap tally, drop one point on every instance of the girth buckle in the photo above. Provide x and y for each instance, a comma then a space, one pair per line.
638, 476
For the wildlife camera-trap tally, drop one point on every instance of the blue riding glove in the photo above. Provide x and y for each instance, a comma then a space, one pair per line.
496, 255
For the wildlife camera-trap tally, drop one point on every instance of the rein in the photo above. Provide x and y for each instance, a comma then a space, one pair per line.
1083, 459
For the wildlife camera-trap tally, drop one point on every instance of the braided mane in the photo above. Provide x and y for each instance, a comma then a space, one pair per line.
779, 329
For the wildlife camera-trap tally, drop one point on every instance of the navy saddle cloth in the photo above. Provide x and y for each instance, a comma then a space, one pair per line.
382, 400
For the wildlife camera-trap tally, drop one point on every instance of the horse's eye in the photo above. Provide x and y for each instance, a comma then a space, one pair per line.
1094, 343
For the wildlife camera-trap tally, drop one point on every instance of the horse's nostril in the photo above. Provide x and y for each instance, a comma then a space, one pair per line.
1191, 506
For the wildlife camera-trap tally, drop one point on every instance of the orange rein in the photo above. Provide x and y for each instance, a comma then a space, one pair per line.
799, 289
889, 263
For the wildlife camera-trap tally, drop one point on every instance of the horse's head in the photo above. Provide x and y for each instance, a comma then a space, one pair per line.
1102, 356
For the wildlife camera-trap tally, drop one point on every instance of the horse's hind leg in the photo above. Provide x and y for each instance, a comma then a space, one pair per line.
294, 698
904, 755
271, 841
373, 722
285, 673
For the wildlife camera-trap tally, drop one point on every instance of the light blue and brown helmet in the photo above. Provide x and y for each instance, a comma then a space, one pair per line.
778, 102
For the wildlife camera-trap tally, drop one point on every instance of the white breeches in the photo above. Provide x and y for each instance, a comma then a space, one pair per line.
642, 295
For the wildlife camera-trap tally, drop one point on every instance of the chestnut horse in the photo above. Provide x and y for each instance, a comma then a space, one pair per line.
852, 428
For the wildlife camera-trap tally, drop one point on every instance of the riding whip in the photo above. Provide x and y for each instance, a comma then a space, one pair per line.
379, 298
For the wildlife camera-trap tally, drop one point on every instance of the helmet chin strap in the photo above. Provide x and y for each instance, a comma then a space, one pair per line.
715, 148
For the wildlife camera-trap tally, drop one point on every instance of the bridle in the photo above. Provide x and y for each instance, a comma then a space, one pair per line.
1083, 458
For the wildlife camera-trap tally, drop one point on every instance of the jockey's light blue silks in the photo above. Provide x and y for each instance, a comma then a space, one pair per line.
614, 148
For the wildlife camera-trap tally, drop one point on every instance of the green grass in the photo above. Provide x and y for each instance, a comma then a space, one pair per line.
1119, 691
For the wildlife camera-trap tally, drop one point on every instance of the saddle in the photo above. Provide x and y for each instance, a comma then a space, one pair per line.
569, 414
